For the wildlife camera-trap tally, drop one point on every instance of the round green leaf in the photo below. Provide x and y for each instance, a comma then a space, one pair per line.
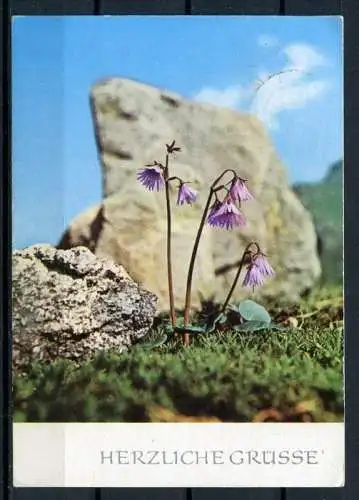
252, 326
189, 329
251, 311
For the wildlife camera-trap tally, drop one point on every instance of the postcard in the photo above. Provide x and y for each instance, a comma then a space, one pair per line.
177, 260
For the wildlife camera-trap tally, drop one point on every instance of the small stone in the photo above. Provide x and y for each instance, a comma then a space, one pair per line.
293, 322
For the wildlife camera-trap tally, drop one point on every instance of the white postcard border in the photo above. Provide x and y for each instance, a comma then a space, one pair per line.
178, 455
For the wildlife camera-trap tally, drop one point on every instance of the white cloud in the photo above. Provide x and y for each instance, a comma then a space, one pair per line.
292, 87
230, 97
287, 91
303, 57
267, 41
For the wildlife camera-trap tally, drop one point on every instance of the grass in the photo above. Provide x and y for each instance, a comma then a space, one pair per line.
290, 375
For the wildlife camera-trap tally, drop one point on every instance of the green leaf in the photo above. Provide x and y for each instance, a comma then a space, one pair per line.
189, 329
169, 329
255, 325
251, 326
251, 311
221, 318
153, 345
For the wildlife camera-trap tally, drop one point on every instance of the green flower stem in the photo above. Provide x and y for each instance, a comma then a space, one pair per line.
169, 249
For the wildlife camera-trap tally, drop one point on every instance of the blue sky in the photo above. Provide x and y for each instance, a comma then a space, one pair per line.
225, 60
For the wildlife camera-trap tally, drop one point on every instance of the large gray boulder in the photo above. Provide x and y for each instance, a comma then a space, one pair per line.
133, 122
72, 304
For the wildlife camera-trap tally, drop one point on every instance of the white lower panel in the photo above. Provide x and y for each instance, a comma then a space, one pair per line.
182, 455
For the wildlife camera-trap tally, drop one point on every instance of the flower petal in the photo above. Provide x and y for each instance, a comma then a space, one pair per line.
186, 195
151, 178
226, 215
239, 191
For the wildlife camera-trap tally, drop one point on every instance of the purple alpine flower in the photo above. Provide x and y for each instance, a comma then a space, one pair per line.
239, 190
253, 277
263, 265
213, 211
151, 178
226, 214
186, 194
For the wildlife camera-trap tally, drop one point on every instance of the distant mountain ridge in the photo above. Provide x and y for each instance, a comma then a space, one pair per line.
324, 200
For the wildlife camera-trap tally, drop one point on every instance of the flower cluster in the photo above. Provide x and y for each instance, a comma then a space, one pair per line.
153, 177
226, 214
257, 271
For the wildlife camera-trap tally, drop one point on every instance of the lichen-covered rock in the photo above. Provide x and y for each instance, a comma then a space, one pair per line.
133, 122
72, 304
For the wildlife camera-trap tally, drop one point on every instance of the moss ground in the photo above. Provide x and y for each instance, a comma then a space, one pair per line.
290, 375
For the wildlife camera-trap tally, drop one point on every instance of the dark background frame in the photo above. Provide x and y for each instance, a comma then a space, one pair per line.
350, 10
